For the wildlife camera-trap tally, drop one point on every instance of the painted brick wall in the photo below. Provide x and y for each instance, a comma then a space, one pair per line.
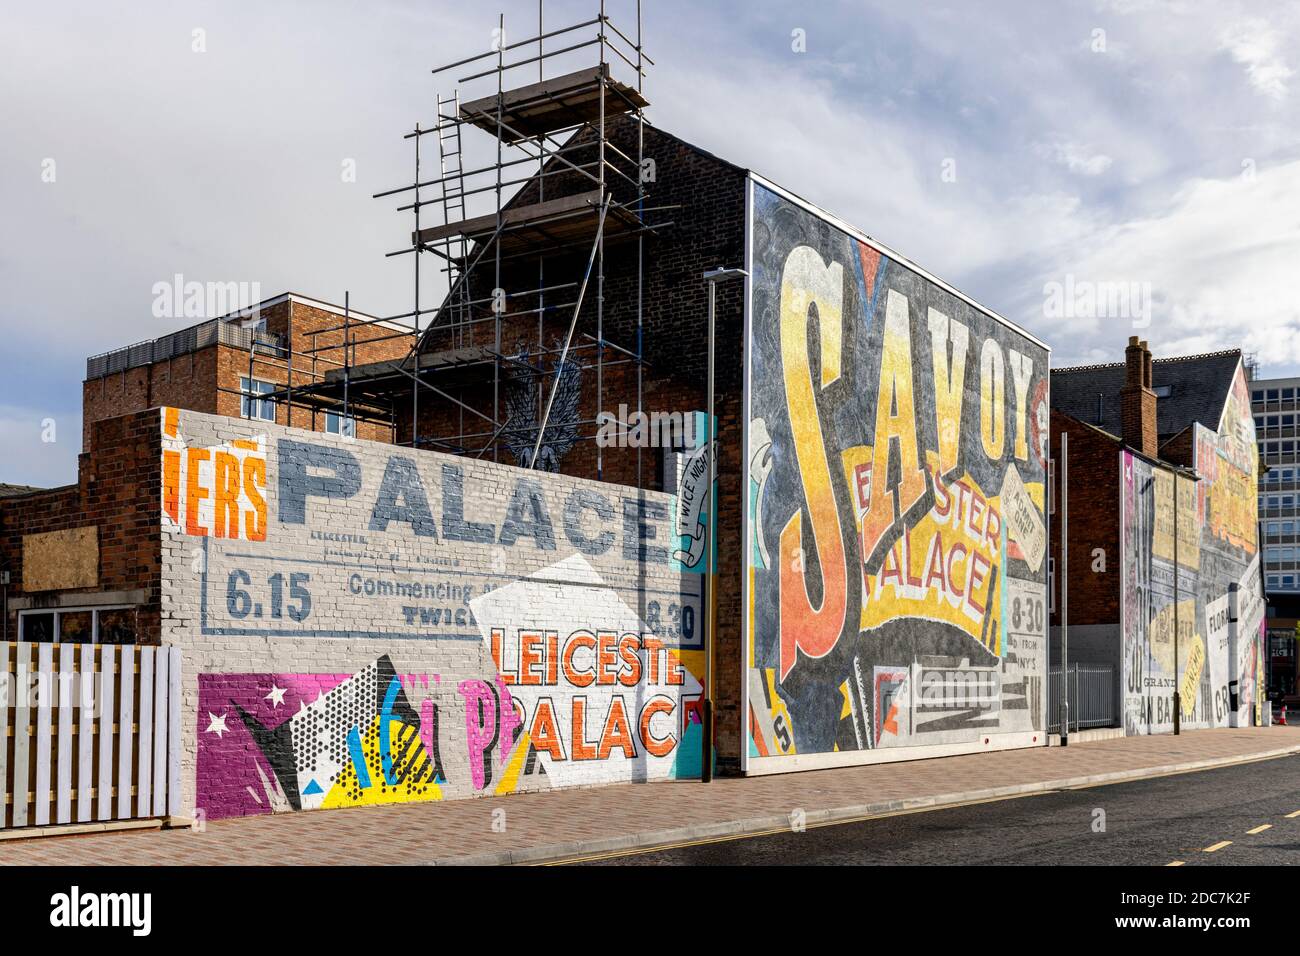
345, 607
897, 552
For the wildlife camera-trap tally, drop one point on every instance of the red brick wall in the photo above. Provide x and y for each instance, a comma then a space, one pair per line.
186, 381
1094, 522
119, 491
1181, 449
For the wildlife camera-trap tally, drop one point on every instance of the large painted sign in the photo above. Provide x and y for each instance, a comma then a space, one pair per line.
1188, 547
897, 535
371, 624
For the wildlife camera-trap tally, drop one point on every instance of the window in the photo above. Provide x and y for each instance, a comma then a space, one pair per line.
252, 407
37, 628
344, 425
1272, 395
78, 625
1273, 582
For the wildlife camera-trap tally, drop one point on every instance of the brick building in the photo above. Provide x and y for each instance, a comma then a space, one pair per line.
225, 366
1162, 530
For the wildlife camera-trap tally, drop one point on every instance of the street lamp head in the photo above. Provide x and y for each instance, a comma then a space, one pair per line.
722, 272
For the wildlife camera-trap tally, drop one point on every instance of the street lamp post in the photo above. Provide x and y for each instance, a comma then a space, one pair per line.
1065, 590
1190, 475
712, 277
1178, 703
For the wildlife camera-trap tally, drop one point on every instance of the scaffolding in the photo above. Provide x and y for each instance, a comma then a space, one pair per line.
547, 130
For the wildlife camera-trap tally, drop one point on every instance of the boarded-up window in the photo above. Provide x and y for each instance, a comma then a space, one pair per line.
61, 560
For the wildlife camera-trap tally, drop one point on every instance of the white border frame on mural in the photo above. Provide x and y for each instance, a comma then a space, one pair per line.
757, 766
791, 763
745, 530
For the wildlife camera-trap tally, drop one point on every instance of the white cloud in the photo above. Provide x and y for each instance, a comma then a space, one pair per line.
1062, 155
1254, 44
1220, 260
1078, 159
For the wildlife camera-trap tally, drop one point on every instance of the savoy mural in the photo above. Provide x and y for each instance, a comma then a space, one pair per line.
897, 558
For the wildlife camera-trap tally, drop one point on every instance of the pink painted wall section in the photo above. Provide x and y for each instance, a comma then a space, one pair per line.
233, 774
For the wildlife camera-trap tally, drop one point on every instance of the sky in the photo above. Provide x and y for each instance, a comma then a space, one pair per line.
1042, 158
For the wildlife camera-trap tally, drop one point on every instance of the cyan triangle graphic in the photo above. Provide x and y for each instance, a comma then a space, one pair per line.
311, 789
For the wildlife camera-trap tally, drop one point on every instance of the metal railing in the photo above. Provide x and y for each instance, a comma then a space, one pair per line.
211, 332
1092, 697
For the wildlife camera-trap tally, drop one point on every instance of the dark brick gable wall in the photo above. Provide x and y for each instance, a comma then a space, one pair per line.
1094, 522
705, 200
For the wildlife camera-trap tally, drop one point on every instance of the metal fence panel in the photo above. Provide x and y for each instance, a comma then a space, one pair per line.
1092, 699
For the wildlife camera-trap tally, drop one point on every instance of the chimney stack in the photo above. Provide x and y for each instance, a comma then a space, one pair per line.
1137, 400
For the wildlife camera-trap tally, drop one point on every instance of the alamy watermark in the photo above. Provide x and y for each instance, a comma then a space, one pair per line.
180, 298
639, 429
1084, 299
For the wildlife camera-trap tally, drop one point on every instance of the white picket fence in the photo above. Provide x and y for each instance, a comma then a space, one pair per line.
90, 733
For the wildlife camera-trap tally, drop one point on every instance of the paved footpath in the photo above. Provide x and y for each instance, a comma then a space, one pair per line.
548, 826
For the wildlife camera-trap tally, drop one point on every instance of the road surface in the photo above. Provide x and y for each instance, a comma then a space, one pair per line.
1193, 819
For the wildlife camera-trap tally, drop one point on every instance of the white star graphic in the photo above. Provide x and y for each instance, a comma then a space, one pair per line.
217, 725
276, 697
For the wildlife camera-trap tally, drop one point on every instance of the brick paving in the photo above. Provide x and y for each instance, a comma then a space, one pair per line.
424, 833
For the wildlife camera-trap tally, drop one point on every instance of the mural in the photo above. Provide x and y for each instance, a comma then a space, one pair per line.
424, 627
528, 390
1187, 545
897, 554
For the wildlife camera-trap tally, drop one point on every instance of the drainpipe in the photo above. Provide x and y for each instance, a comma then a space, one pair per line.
712, 277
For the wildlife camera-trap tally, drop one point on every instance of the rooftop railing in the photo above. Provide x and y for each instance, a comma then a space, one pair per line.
196, 337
